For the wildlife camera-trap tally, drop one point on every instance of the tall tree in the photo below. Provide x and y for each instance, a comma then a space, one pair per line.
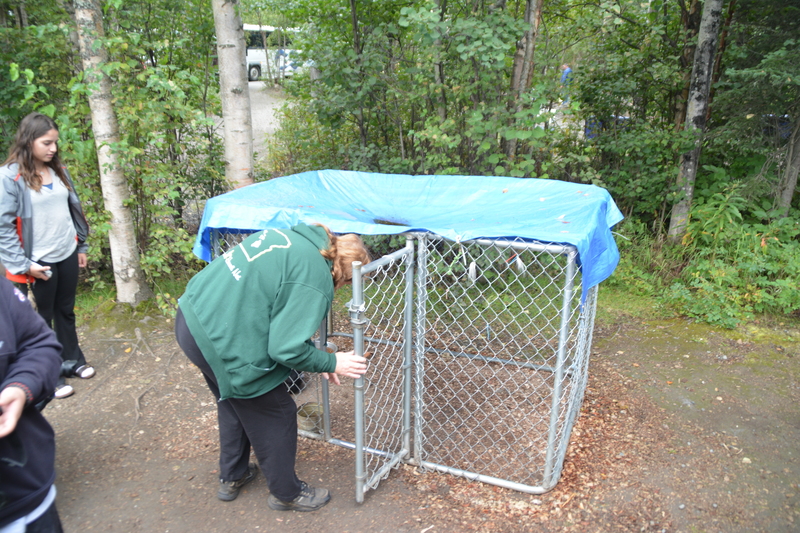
130, 284
697, 105
234, 93
523, 62
690, 18
788, 183
759, 98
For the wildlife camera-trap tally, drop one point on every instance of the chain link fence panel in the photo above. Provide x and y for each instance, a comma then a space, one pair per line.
501, 354
478, 357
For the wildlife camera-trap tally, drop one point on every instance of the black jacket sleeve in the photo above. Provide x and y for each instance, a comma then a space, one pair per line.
30, 355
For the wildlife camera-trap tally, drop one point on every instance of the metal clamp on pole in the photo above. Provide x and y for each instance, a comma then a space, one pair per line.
357, 309
357, 312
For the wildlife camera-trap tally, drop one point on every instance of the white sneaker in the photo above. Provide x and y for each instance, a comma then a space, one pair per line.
84, 372
63, 391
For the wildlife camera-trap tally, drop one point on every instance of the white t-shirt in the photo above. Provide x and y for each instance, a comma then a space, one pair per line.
54, 234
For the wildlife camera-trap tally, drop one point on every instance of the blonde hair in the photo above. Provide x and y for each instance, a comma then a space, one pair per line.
343, 250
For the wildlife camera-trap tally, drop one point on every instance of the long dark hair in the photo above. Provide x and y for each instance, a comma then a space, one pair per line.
31, 128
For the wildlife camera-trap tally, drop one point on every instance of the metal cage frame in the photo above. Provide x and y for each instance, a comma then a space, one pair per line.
478, 361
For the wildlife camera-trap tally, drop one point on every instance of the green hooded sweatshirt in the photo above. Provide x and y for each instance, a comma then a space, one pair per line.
253, 310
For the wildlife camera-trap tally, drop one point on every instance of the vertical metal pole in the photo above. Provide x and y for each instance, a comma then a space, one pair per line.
322, 336
214, 243
558, 375
419, 344
408, 338
357, 320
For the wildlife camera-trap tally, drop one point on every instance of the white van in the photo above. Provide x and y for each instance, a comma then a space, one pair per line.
281, 63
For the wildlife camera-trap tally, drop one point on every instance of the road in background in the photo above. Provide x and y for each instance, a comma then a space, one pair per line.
264, 102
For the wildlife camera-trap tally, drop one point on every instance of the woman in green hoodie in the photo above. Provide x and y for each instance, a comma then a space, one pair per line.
246, 320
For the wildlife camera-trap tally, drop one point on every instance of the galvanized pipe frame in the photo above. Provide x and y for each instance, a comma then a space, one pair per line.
365, 482
556, 447
414, 348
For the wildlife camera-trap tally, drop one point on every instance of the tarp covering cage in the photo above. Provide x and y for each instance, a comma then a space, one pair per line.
478, 329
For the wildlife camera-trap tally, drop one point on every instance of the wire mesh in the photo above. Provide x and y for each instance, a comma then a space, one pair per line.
499, 362
478, 356
386, 290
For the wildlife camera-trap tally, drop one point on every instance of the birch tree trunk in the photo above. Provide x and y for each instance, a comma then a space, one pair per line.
696, 107
690, 23
128, 276
234, 93
523, 62
788, 182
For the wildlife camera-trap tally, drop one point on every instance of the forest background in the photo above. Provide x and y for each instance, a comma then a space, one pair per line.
464, 87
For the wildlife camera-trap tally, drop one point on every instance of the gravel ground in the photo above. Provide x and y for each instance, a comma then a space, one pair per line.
672, 437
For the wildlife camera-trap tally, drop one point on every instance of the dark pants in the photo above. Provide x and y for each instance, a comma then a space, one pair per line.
55, 300
268, 423
47, 523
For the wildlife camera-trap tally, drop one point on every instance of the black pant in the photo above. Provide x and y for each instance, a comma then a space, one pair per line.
55, 300
268, 423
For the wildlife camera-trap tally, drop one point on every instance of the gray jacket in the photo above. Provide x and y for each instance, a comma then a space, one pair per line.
16, 212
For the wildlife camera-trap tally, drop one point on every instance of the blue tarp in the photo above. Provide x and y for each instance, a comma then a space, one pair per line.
459, 208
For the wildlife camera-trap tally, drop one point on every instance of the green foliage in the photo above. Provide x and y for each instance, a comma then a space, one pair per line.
379, 100
302, 144
160, 61
647, 264
635, 161
421, 87
37, 65
380, 245
738, 269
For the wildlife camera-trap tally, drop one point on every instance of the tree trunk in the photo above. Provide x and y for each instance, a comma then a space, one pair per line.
523, 58
234, 93
696, 107
69, 8
788, 182
523, 61
689, 18
723, 43
22, 15
359, 114
128, 276
438, 68
270, 77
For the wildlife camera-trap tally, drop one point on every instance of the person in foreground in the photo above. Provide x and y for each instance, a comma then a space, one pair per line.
245, 320
43, 235
30, 361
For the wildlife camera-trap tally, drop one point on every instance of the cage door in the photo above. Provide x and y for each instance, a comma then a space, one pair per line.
381, 317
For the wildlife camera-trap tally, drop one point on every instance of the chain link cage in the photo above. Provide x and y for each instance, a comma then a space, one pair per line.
477, 361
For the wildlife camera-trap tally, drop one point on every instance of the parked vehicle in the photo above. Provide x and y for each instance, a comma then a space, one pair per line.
283, 63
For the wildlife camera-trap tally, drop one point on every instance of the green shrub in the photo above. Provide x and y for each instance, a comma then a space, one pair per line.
738, 268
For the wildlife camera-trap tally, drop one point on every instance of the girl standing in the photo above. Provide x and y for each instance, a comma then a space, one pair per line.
43, 235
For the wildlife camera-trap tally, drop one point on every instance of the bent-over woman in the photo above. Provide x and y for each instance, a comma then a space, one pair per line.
246, 320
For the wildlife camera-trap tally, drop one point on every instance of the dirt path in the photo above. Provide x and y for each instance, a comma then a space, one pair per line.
683, 429
263, 104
